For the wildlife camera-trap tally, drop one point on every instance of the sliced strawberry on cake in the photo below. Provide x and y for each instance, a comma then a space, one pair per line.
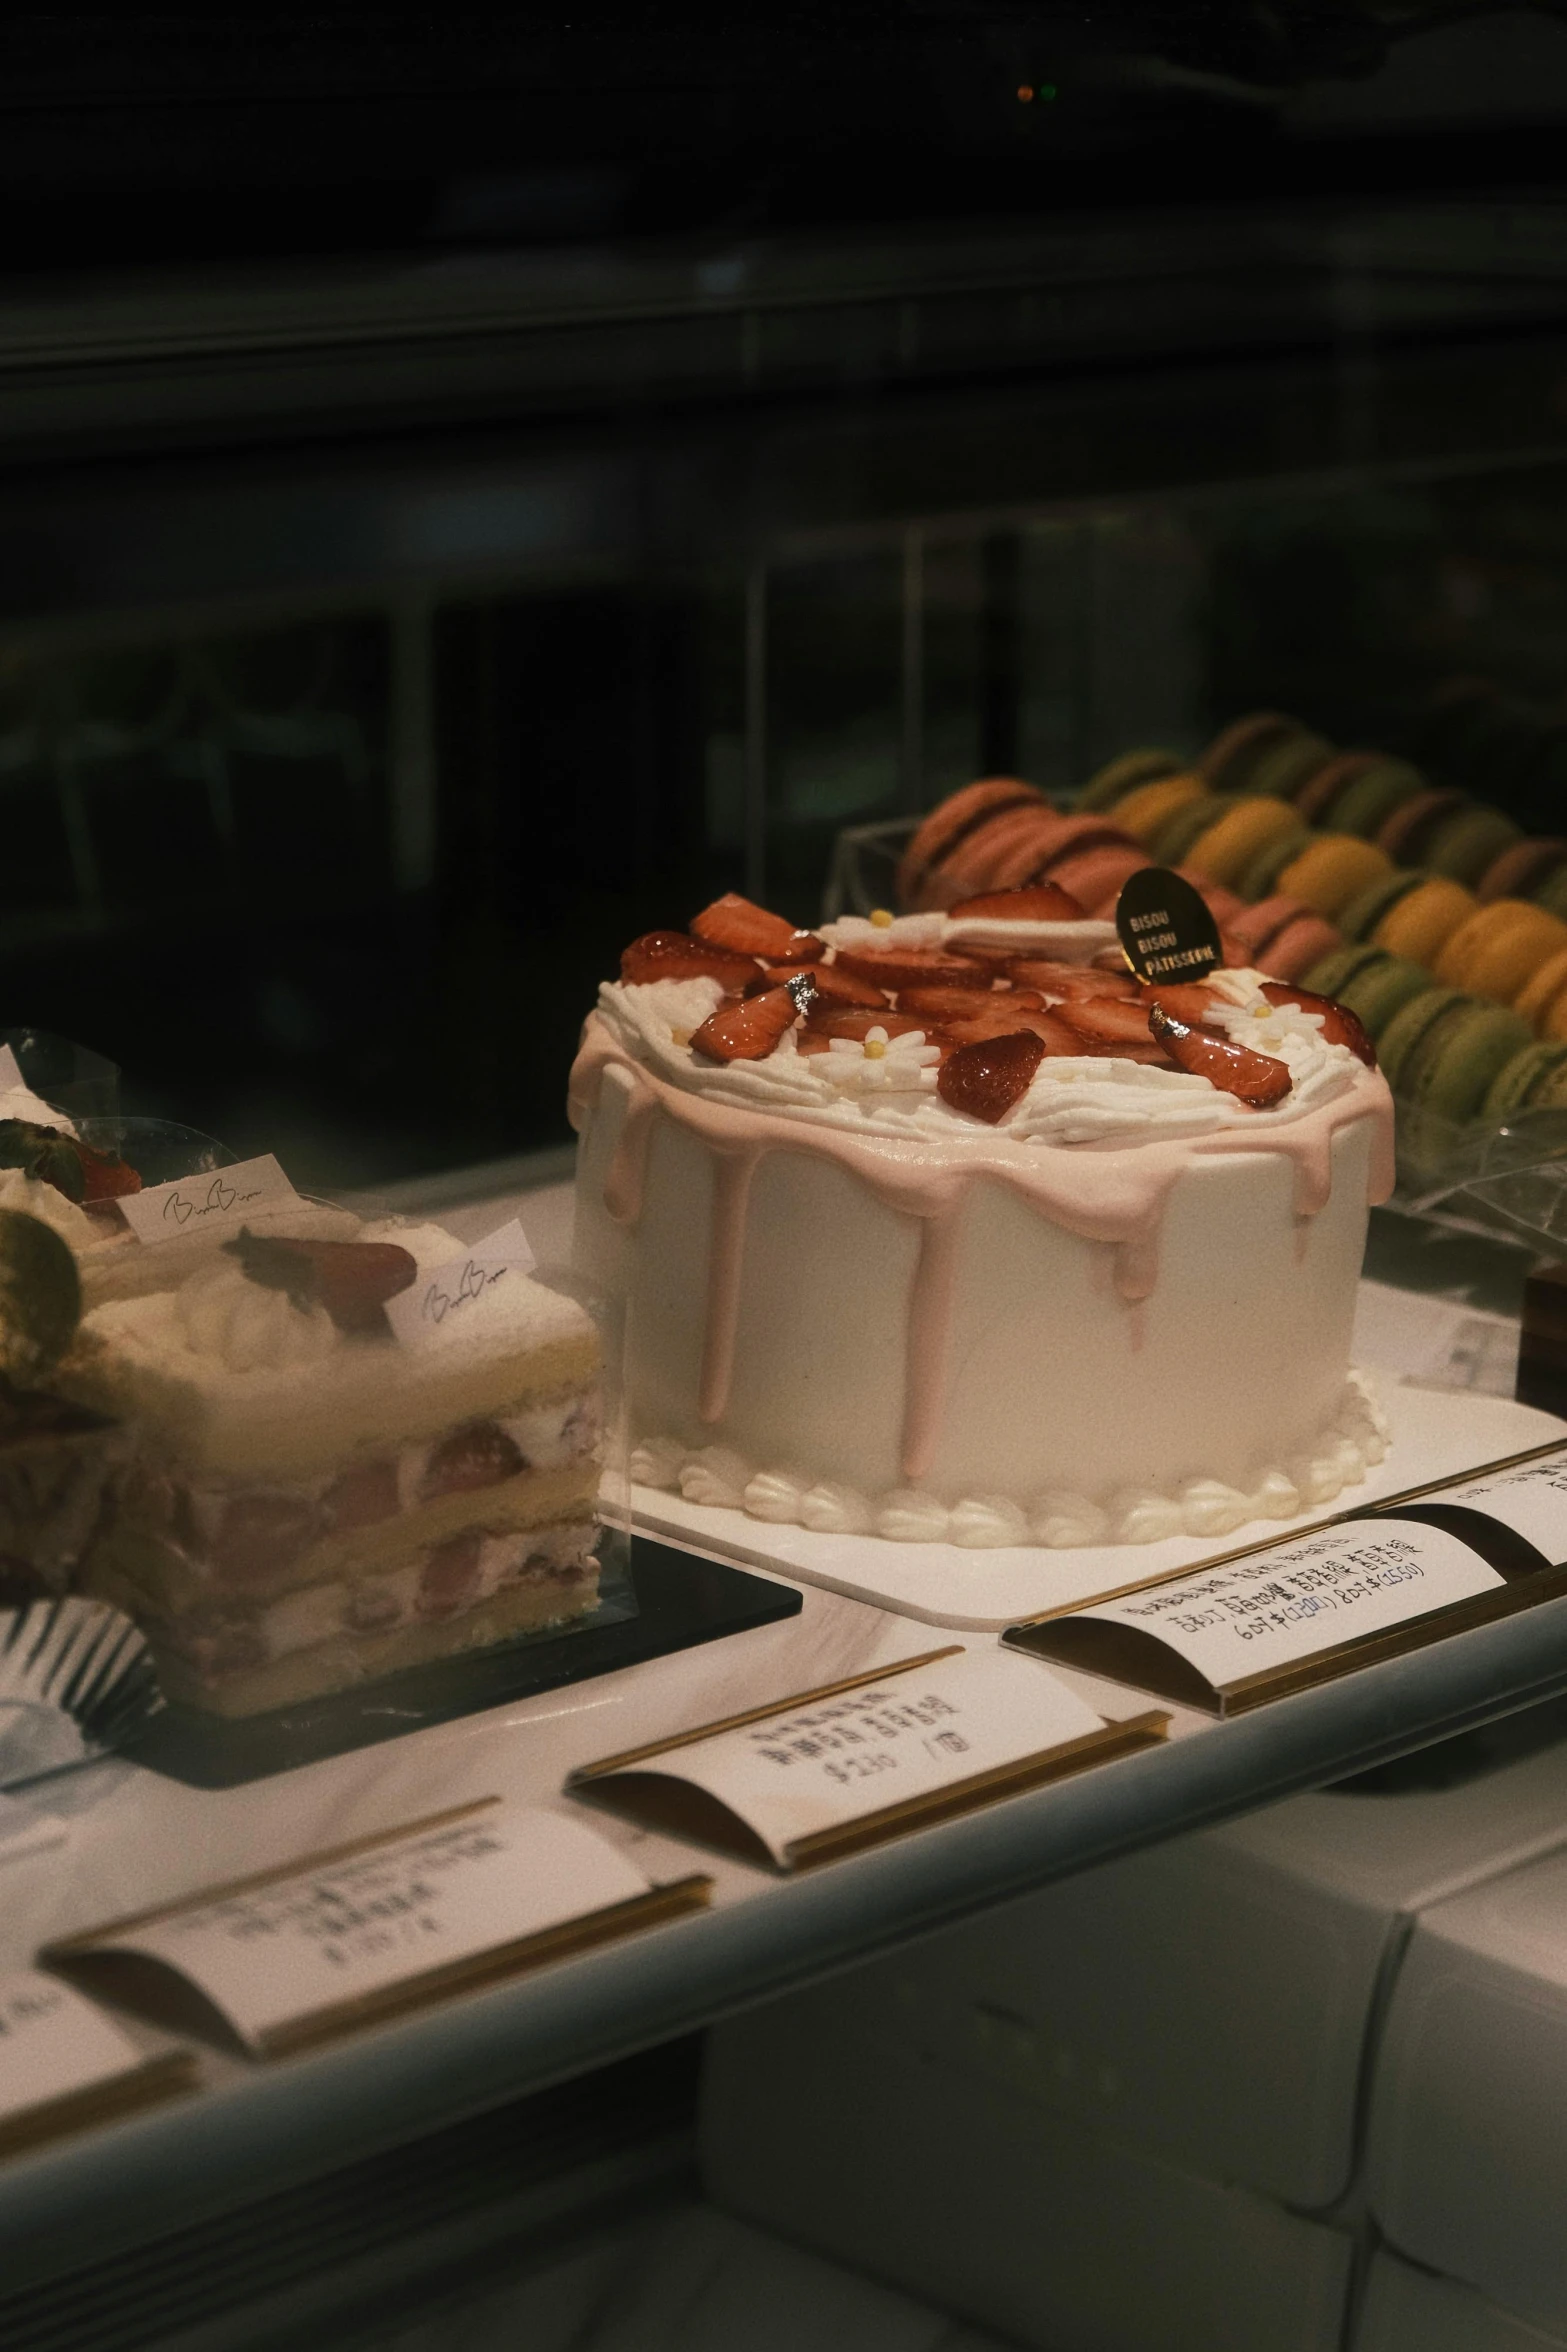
1069, 982
746, 1029
989, 1077
744, 928
1339, 1025
1258, 1079
1032, 902
911, 967
674, 955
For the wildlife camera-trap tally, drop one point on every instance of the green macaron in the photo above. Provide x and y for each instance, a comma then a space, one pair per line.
1410, 1024
1380, 991
1169, 842
1258, 879
1468, 841
1369, 799
1367, 908
1450, 1064
1282, 767
1534, 1079
1125, 772
1331, 974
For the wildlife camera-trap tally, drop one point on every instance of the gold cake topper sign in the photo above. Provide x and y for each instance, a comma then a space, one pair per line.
1167, 932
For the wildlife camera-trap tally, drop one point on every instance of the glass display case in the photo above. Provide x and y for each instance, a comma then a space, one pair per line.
422, 573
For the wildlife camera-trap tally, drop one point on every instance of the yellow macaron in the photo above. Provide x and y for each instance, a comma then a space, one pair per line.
1245, 830
1537, 1001
1423, 921
1144, 810
1501, 947
1335, 869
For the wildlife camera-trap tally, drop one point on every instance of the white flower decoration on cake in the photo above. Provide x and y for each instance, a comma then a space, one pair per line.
879, 1064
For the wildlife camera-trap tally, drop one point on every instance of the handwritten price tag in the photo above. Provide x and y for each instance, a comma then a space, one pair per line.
1281, 1605
446, 1298
1530, 1498
799, 1780
193, 1204
295, 1953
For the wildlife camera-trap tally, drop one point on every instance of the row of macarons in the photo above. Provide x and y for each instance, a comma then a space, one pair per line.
1308, 892
1453, 1059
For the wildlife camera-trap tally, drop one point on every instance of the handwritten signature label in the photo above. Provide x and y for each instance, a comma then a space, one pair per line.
450, 1292
53, 2042
1289, 1602
220, 1196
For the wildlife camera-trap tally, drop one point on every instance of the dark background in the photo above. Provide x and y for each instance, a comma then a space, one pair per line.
471, 488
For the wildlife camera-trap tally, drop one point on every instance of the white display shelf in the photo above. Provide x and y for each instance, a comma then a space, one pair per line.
116, 1838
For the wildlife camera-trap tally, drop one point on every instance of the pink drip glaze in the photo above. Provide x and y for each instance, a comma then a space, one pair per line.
1121, 1202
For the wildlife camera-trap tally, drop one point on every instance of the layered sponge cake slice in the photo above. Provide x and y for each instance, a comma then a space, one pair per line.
312, 1502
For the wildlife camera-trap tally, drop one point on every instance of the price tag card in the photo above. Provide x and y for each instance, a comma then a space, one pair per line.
1529, 1497
829, 1771
458, 1900
222, 1197
442, 1300
63, 2064
1227, 1637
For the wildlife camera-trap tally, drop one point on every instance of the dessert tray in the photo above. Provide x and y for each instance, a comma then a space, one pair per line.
1435, 1434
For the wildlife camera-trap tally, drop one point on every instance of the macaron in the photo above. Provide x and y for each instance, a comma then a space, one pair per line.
1410, 1023
1500, 948
1095, 877
1245, 828
1284, 937
1405, 833
1449, 1068
1173, 836
1468, 841
1534, 1001
1371, 797
1229, 759
1125, 772
1142, 811
1341, 966
1377, 987
1366, 909
1224, 905
1534, 1079
1553, 894
951, 821
1285, 766
1317, 797
1259, 878
1010, 841
1332, 870
1521, 869
1024, 845
1419, 924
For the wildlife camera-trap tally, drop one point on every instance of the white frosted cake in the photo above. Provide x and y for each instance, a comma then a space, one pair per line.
941, 1229
313, 1503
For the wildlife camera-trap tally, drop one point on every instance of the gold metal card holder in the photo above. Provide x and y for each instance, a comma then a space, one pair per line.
148, 2085
155, 1990
660, 1800
1124, 1654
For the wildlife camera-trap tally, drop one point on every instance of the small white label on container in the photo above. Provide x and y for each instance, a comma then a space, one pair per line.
1287, 1603
223, 1197
825, 1762
449, 1295
1530, 1498
53, 2042
275, 1955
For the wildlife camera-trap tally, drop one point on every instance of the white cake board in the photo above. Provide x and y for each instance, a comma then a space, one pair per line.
1436, 1434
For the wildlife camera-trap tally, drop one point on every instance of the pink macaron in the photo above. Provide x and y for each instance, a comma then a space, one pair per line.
1095, 876
1284, 936
1222, 903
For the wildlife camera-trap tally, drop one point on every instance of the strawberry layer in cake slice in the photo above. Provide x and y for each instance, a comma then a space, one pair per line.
314, 1502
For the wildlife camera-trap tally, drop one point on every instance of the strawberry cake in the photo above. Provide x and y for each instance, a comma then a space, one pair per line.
944, 1227
313, 1502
